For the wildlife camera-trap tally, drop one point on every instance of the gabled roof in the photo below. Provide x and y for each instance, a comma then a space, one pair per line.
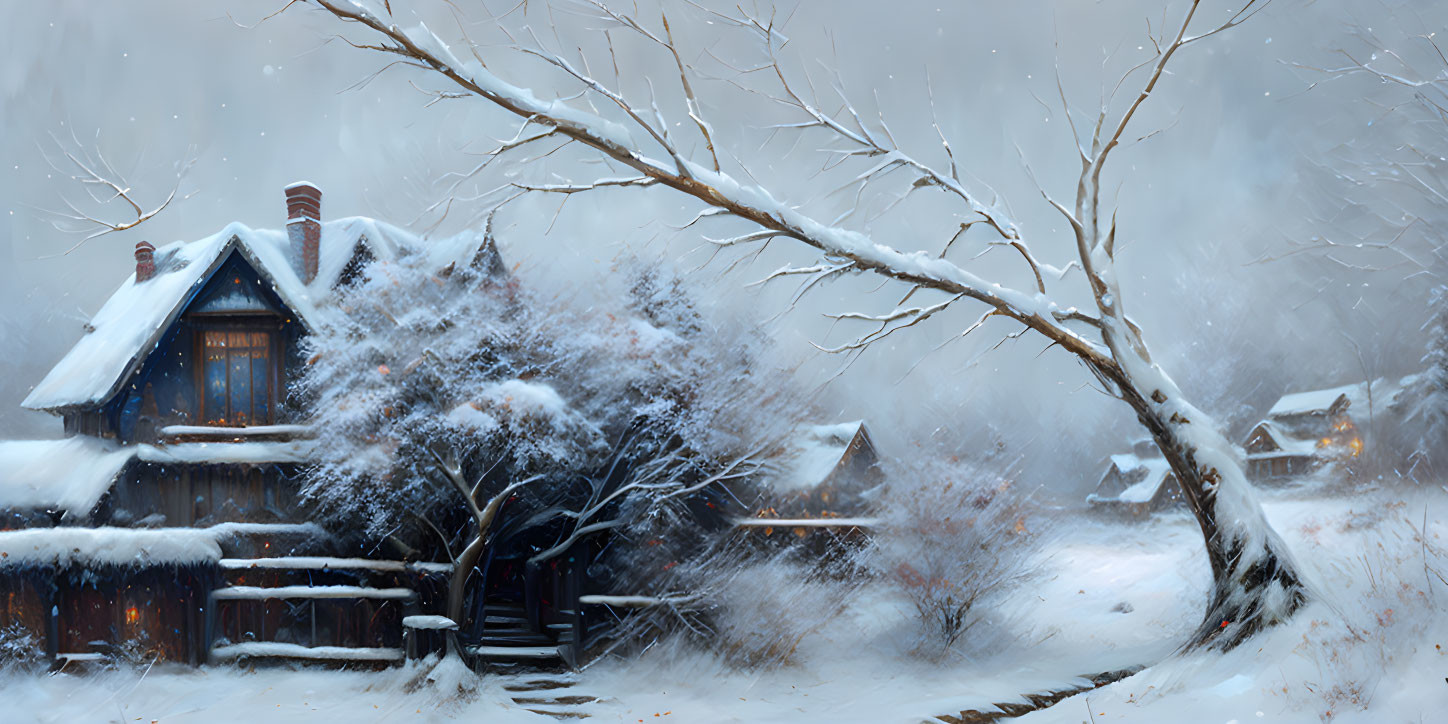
1153, 472
818, 452
1313, 401
1385, 393
133, 320
1284, 442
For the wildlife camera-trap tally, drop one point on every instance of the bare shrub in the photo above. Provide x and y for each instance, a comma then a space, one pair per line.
1393, 594
953, 540
767, 609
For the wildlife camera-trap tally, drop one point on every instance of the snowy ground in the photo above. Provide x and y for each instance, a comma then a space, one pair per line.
1112, 596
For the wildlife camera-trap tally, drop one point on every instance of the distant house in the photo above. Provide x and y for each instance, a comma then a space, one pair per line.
1136, 485
825, 479
1305, 431
167, 519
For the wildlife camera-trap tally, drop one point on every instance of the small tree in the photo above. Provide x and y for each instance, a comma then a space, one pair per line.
953, 539
1434, 405
448, 396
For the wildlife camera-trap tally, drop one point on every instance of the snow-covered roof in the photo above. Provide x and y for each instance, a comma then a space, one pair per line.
1143, 491
1154, 472
132, 321
816, 453
1126, 462
1385, 393
1284, 442
68, 475
1300, 403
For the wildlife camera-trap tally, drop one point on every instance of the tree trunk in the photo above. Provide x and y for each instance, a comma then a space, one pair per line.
457, 588
1255, 583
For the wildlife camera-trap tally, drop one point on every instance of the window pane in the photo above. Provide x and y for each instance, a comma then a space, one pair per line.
259, 387
214, 376
240, 383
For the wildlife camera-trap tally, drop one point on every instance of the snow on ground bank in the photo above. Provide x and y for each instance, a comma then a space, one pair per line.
1110, 595
1370, 648
272, 696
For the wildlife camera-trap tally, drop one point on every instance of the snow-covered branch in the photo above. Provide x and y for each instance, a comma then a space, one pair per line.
103, 186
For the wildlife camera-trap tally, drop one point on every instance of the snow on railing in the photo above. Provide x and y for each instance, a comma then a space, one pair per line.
806, 522
620, 601
249, 431
432, 623
321, 563
273, 649
222, 452
257, 593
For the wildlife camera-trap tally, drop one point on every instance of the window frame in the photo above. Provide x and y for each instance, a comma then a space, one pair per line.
269, 325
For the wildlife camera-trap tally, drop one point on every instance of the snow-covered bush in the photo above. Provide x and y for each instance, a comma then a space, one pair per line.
19, 648
953, 539
1433, 408
466, 366
447, 399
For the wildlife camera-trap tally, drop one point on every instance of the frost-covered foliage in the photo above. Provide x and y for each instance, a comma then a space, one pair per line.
465, 366
1434, 405
954, 539
19, 648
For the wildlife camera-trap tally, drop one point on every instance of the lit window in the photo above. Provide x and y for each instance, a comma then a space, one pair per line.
236, 374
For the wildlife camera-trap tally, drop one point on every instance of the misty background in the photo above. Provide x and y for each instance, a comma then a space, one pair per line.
1248, 162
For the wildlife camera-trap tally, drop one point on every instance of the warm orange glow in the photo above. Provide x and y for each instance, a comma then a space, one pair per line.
1324, 442
1356, 445
132, 615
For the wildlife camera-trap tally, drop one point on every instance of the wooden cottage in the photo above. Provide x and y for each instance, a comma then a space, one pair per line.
1305, 431
1136, 485
166, 523
825, 480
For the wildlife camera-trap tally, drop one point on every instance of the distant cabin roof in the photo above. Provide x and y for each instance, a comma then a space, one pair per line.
1142, 491
67, 475
1284, 441
133, 320
1385, 392
816, 453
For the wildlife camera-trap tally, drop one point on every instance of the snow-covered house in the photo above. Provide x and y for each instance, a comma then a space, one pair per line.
1306, 430
1136, 484
168, 517
824, 481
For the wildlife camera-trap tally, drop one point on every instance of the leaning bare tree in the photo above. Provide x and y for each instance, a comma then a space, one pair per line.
1255, 582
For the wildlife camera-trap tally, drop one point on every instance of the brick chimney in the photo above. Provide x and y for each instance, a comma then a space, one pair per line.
304, 227
145, 261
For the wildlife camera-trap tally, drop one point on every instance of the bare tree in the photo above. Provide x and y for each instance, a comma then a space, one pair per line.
104, 187
1255, 581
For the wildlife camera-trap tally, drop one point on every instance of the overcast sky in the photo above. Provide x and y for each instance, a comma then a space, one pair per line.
1235, 174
